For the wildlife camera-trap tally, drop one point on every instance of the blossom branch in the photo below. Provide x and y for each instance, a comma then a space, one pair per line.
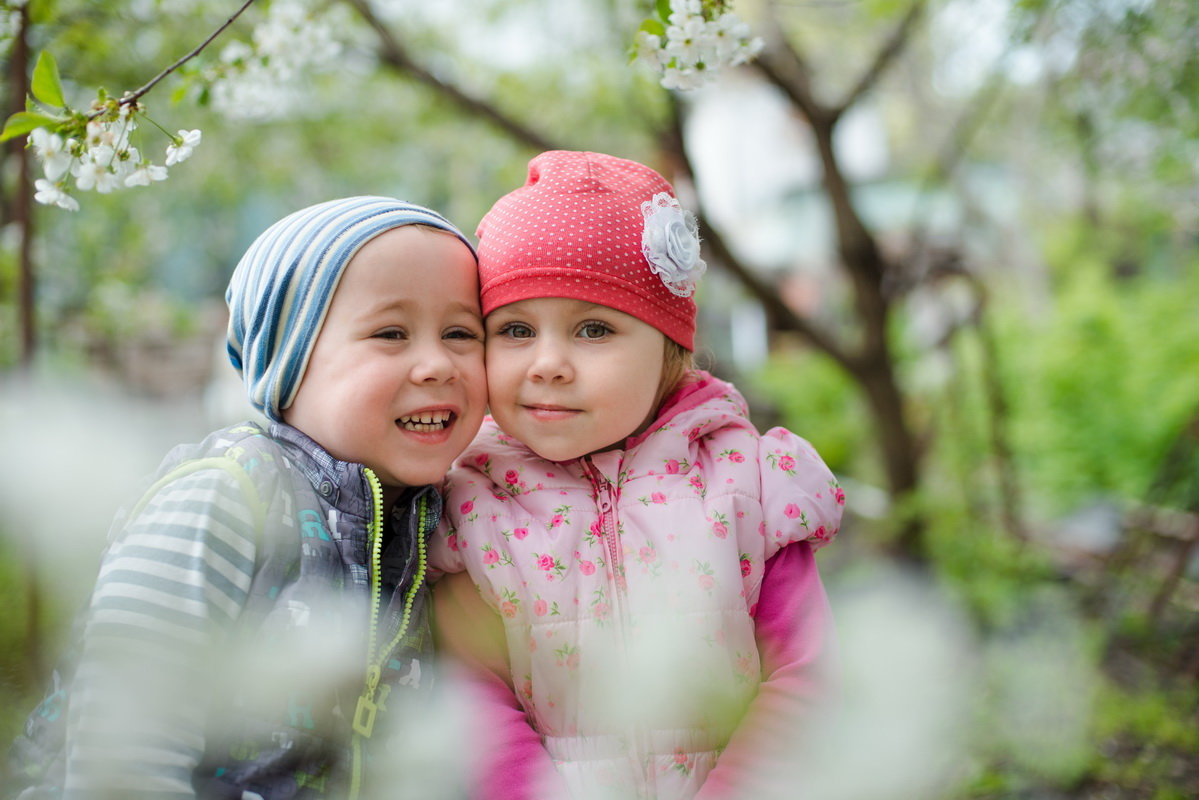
132, 97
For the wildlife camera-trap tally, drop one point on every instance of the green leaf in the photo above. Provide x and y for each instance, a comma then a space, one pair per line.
44, 11
46, 86
23, 122
653, 26
664, 10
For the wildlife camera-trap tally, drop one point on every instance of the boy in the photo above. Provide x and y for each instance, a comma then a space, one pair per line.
263, 598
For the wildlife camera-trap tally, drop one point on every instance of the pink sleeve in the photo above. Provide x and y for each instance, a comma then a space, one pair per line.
510, 762
800, 495
795, 641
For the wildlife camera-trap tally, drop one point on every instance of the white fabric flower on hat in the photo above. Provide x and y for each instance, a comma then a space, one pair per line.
670, 243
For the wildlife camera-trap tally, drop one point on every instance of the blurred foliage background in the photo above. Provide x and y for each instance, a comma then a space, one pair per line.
954, 243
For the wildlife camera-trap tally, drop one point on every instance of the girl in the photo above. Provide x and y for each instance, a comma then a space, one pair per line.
648, 552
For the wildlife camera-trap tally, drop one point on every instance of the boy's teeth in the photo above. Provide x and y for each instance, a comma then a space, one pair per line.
425, 421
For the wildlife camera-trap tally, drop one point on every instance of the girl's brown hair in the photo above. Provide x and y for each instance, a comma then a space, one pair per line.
677, 363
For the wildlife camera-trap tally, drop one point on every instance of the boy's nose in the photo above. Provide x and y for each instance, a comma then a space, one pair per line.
433, 364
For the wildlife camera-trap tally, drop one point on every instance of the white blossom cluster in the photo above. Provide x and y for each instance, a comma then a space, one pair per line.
102, 160
700, 38
259, 79
262, 79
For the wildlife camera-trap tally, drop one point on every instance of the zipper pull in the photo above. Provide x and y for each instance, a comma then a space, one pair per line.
367, 709
364, 717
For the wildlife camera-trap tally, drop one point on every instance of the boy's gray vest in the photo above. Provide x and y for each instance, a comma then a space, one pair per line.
311, 574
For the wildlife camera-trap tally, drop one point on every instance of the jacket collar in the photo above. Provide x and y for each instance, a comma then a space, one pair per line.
342, 484
697, 388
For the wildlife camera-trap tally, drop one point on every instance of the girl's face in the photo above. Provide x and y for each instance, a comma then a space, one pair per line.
568, 378
396, 379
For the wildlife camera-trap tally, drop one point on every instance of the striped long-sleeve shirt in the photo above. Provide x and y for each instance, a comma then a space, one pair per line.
224, 649
169, 590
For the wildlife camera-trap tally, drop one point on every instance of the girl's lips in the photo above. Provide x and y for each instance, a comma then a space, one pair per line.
549, 413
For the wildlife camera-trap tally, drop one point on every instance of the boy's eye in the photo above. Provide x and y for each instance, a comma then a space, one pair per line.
594, 330
392, 333
516, 330
462, 333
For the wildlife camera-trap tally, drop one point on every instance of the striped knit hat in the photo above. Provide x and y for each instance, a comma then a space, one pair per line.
282, 287
597, 228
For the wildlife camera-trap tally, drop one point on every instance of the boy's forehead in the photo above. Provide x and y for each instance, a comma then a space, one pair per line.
412, 240
411, 269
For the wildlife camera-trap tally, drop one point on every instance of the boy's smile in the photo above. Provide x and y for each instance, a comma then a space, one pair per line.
427, 421
396, 381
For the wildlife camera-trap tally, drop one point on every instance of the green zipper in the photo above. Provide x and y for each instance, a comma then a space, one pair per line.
364, 713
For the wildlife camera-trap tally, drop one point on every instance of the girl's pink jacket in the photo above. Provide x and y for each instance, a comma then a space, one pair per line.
665, 628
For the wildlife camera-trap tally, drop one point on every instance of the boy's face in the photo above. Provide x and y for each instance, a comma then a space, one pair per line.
395, 380
568, 378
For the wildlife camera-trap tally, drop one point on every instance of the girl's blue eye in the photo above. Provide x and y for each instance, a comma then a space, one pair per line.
516, 330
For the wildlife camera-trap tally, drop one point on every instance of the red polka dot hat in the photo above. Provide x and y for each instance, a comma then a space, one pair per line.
595, 228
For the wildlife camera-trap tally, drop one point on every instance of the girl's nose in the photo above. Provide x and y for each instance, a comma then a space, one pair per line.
551, 363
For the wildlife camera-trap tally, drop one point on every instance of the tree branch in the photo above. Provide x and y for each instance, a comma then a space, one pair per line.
950, 154
885, 56
785, 67
19, 210
781, 316
130, 98
393, 54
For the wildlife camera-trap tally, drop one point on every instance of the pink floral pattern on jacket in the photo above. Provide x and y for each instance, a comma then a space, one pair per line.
628, 580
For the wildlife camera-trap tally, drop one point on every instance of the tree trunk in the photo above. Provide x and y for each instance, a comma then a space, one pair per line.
874, 366
20, 206
19, 212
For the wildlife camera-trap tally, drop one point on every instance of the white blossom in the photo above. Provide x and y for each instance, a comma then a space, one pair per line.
51, 194
181, 149
123, 166
683, 79
91, 174
236, 52
689, 42
681, 9
648, 49
144, 174
266, 79
53, 152
695, 47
